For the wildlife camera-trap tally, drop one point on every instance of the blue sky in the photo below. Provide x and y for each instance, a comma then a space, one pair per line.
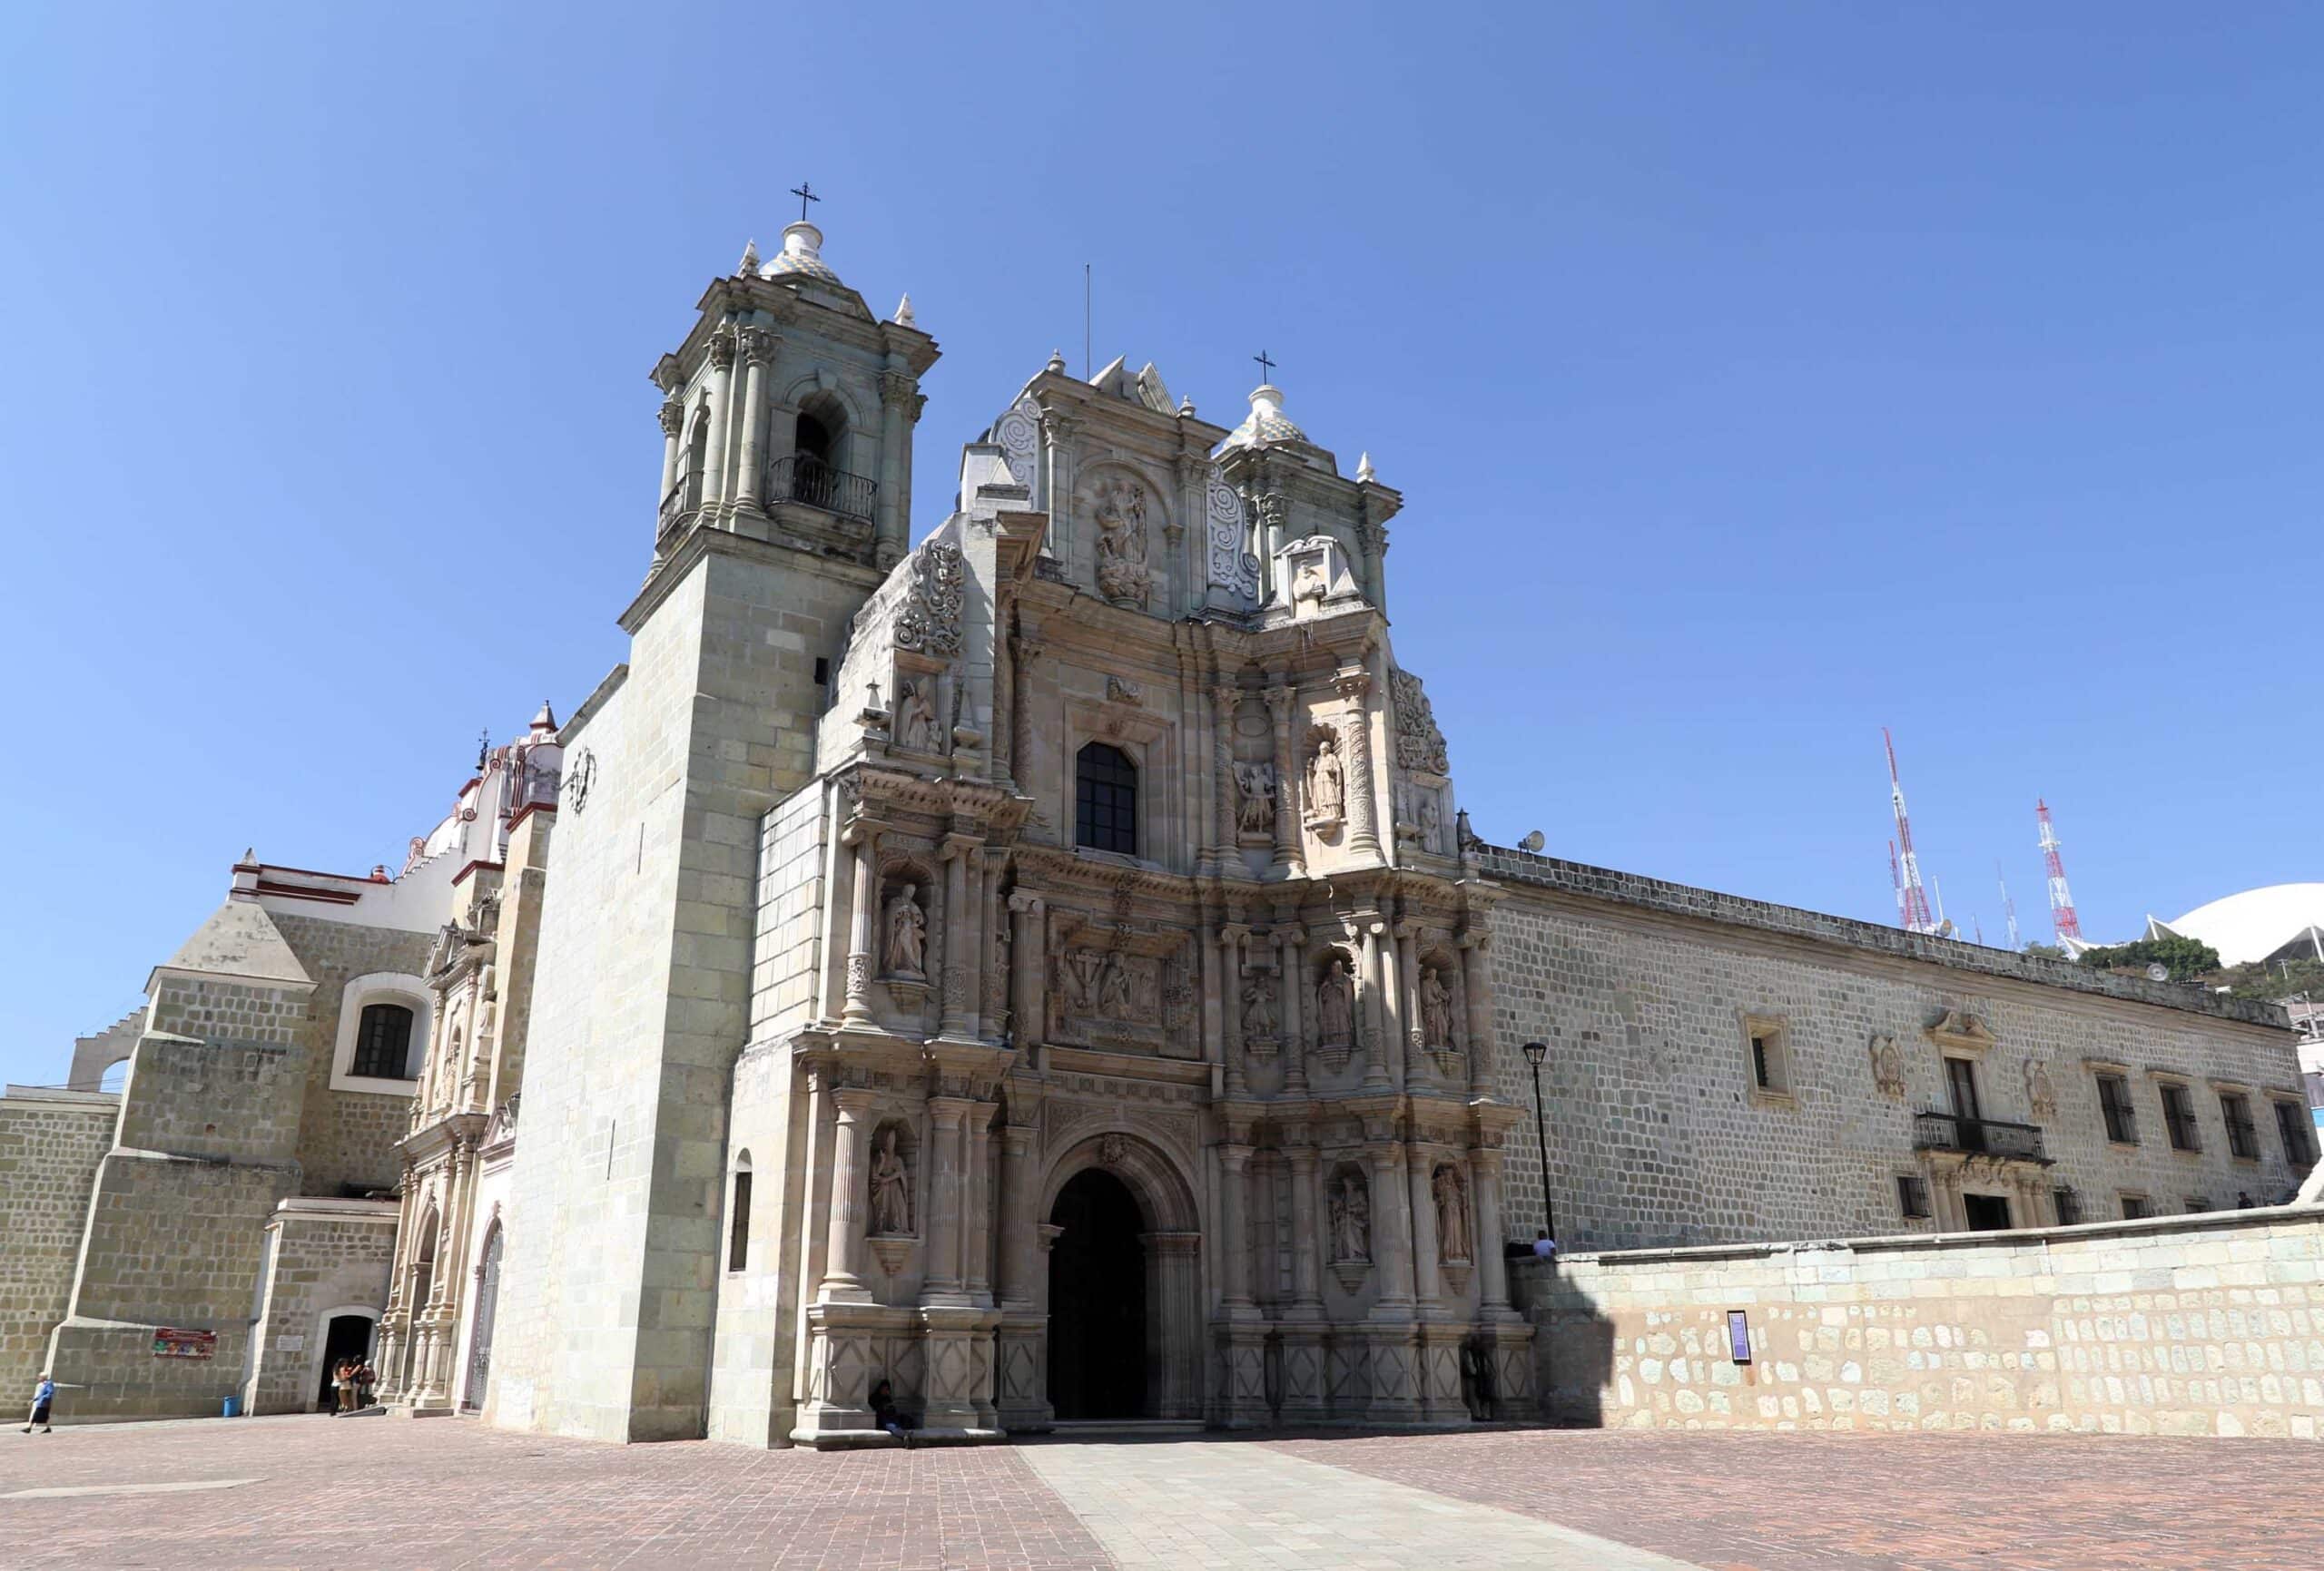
1756, 376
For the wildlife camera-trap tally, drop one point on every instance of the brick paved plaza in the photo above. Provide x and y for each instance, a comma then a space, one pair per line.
322, 1492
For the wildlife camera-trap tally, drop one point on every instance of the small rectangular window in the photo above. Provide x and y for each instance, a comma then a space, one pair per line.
2242, 1137
822, 671
383, 1043
2135, 1206
2179, 1118
1770, 1048
2069, 1204
1759, 1068
2296, 1126
738, 1225
2115, 1102
1912, 1196
1739, 1336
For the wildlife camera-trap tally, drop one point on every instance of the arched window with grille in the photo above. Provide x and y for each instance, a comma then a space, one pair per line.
1105, 800
383, 1043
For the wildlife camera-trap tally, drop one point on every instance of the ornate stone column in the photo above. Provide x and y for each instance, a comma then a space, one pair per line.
1356, 742
1019, 1260
1492, 1271
1403, 983
673, 420
1235, 1249
893, 531
1056, 436
1224, 856
947, 1117
976, 1245
1293, 972
1306, 1239
863, 920
993, 979
1373, 538
844, 1251
1282, 701
1230, 1001
959, 1016
1024, 654
1373, 1029
722, 388
1026, 1005
1391, 1237
758, 350
1421, 1184
1476, 972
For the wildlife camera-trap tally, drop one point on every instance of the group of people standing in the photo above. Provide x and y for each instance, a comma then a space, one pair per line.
354, 1378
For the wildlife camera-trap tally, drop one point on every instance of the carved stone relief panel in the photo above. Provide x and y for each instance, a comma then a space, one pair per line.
1227, 530
1119, 986
1125, 512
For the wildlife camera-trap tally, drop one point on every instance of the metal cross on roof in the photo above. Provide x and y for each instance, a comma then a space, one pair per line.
805, 192
1265, 365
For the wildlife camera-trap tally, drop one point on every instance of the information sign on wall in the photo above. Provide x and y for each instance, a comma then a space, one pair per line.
177, 1344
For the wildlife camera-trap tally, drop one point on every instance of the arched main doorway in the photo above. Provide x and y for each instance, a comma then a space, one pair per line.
1097, 1310
345, 1336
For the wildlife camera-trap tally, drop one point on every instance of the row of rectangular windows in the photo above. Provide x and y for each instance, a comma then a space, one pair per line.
1989, 1211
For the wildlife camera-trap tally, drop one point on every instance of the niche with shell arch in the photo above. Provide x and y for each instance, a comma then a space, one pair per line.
1440, 1025
1348, 1229
904, 937
1323, 781
893, 1200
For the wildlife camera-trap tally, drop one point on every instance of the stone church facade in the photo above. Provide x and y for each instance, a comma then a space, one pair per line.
1044, 969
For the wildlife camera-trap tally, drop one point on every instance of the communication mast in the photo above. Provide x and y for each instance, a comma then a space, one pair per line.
2009, 909
2061, 917
1897, 878
1912, 899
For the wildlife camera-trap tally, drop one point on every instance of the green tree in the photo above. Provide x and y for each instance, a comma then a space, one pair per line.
2185, 958
2045, 951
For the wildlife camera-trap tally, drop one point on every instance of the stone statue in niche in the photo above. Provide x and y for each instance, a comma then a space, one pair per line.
1452, 1214
1326, 783
906, 949
1351, 1221
1435, 1009
916, 717
1431, 822
1258, 1010
1335, 1005
1120, 511
2040, 1095
1255, 784
891, 1191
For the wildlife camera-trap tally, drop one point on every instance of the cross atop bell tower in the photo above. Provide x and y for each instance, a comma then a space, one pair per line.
787, 413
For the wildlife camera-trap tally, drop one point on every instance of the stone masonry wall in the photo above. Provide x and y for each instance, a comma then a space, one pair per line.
49, 1152
320, 1256
792, 862
346, 1138
2209, 1325
1658, 1135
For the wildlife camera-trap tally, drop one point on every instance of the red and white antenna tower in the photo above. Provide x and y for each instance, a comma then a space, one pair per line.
1897, 878
1912, 901
2061, 917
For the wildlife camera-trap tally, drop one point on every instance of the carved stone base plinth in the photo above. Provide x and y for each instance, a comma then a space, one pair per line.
893, 1251
957, 1379
849, 1351
1020, 1373
1238, 1399
1509, 1346
1455, 1274
1437, 1366
1395, 1397
1304, 1369
1352, 1273
1333, 1055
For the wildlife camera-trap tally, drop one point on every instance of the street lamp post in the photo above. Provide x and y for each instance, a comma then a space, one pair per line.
1534, 1053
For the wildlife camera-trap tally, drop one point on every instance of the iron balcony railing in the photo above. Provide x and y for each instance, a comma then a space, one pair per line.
805, 478
681, 500
1980, 1136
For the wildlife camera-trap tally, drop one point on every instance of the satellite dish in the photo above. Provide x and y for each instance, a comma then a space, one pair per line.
1532, 842
2158, 972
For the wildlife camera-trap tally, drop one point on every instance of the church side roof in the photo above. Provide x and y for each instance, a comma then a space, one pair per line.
240, 940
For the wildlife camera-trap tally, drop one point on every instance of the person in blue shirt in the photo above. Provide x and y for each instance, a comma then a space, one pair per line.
44, 1394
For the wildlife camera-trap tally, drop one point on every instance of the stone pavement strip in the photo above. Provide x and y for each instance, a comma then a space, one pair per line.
1244, 1507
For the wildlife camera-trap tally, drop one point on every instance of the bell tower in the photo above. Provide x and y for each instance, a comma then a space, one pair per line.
787, 419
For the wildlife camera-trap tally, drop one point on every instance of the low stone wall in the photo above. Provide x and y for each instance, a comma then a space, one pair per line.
2187, 1325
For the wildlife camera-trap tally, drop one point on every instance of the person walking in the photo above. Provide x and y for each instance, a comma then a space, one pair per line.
342, 1375
366, 1377
44, 1398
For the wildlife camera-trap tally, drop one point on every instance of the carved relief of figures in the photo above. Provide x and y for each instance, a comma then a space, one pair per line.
906, 928
1258, 1010
915, 725
1452, 1214
1113, 989
1887, 1066
891, 1191
1350, 1220
2041, 1096
1077, 980
1255, 783
1435, 1010
1335, 1005
1120, 511
1326, 783
1431, 822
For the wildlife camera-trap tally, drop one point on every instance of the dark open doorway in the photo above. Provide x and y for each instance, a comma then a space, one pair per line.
1098, 1301
1986, 1213
347, 1337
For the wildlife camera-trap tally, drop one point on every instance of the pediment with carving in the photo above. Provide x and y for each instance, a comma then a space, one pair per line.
1958, 1031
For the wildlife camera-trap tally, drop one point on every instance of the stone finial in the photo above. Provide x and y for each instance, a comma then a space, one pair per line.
903, 316
1185, 409
547, 718
1363, 471
749, 266
1057, 362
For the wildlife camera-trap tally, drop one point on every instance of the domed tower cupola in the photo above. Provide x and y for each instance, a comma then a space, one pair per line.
801, 256
1266, 424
